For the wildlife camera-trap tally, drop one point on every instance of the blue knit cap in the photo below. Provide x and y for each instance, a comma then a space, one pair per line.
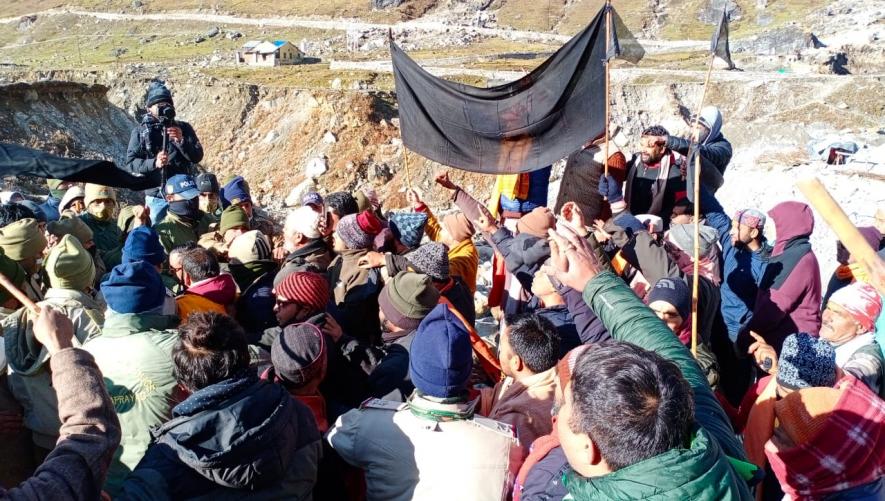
408, 227
133, 288
440, 358
806, 362
143, 244
235, 192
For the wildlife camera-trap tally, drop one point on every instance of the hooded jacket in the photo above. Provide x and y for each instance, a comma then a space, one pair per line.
789, 296
29, 380
701, 471
239, 438
715, 150
213, 294
134, 354
314, 256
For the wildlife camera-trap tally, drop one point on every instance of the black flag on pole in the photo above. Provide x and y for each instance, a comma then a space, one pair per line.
719, 43
622, 44
516, 127
18, 160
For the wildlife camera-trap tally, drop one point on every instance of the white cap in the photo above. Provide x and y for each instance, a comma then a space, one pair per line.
303, 220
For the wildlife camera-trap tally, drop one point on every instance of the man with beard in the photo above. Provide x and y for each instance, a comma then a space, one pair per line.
207, 183
161, 142
654, 180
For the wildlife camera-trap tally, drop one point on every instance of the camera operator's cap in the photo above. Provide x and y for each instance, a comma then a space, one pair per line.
183, 185
158, 93
207, 183
312, 198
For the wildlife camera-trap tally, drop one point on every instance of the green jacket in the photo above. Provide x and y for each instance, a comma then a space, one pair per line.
29, 379
702, 471
107, 237
175, 231
134, 354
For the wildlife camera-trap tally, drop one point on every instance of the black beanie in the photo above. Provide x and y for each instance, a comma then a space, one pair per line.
673, 291
158, 93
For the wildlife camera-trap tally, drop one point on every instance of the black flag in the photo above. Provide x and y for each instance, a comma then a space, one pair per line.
18, 160
516, 127
622, 44
719, 43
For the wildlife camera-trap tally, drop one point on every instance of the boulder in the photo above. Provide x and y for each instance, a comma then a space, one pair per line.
316, 167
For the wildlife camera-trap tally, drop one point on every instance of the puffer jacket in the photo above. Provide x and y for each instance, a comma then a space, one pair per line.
29, 380
134, 354
239, 438
702, 471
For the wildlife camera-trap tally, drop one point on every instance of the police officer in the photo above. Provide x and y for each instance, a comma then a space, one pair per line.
160, 142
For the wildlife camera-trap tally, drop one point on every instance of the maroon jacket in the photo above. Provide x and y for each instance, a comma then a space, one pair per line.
789, 294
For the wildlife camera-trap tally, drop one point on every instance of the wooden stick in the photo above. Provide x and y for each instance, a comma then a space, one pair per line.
845, 230
19, 295
406, 163
608, 22
697, 213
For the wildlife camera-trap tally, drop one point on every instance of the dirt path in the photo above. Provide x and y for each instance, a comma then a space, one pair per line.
344, 24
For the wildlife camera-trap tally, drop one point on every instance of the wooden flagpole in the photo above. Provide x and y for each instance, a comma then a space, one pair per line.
608, 22
405, 149
697, 212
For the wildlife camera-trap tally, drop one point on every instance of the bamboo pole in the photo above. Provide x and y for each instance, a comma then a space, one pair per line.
406, 164
19, 295
608, 22
697, 213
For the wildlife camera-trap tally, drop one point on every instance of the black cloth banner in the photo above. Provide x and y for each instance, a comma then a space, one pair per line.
516, 127
719, 43
18, 160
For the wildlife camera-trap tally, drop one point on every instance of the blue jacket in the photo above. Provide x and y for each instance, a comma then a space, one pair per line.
50, 208
539, 180
742, 268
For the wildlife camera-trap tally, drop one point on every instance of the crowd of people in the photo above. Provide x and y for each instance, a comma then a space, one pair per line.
188, 347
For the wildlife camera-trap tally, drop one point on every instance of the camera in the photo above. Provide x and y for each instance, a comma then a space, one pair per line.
166, 114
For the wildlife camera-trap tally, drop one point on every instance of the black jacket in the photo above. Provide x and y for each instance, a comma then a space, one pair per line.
146, 141
715, 156
241, 437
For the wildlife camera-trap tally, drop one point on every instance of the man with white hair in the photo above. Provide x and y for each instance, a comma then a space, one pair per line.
302, 239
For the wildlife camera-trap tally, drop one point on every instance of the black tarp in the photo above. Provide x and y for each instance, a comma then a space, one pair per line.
18, 160
516, 127
719, 43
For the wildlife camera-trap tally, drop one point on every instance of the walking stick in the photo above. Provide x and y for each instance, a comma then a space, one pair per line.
697, 212
19, 295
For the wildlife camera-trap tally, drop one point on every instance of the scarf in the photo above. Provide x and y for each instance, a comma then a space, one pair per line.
829, 440
845, 350
441, 410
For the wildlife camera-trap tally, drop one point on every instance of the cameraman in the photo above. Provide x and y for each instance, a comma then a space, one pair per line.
146, 152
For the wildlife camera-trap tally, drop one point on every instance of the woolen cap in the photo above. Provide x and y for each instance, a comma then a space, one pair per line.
408, 227
407, 299
157, 93
69, 265
22, 239
683, 236
71, 226
73, 193
233, 217
358, 230
298, 354
536, 222
249, 247
440, 357
134, 288
94, 192
207, 183
673, 291
806, 361
235, 192
305, 287
432, 259
143, 244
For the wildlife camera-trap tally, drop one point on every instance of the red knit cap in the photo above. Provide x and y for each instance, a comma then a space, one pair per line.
305, 287
369, 223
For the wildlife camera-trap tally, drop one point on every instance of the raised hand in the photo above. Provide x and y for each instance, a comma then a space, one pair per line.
573, 262
766, 357
444, 181
572, 215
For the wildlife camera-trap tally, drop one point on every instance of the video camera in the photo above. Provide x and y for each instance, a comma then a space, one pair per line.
166, 114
